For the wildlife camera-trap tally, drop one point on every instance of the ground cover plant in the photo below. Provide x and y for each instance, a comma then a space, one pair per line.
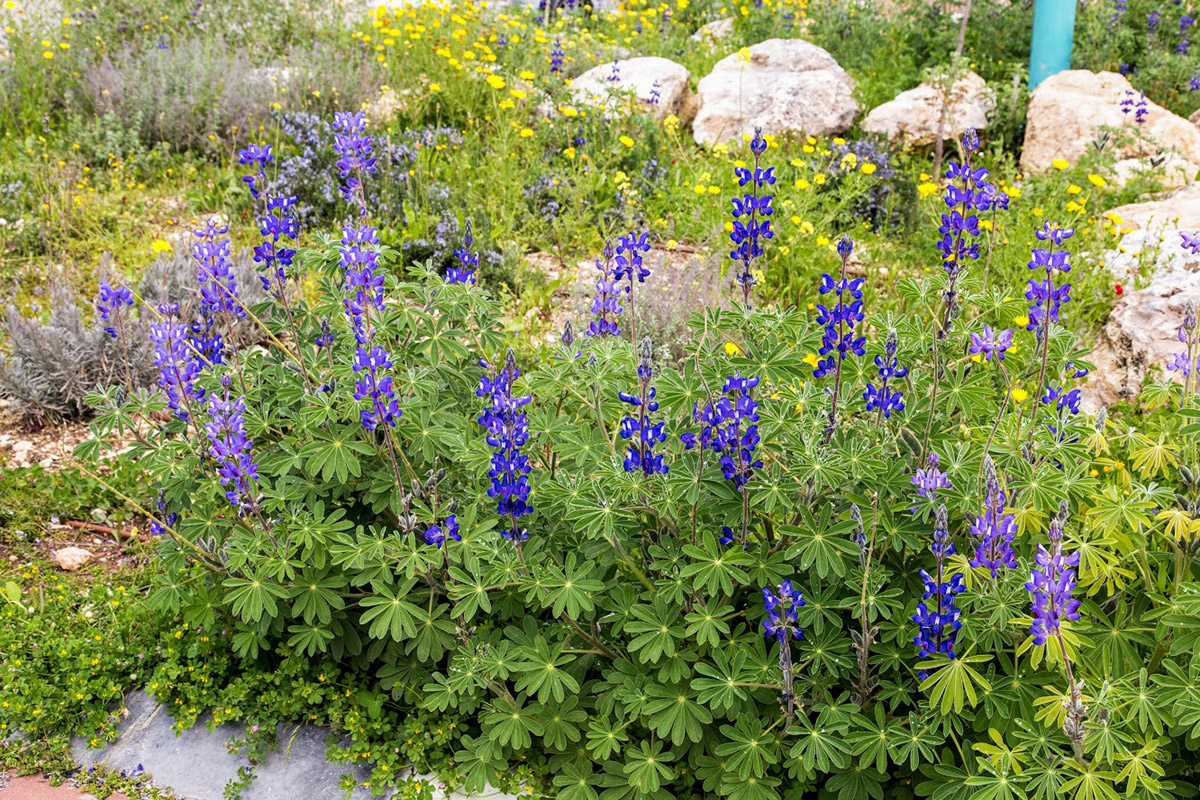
845, 530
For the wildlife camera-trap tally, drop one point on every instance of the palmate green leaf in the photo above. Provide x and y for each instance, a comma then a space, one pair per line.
605, 736
435, 635
857, 784
511, 724
575, 782
389, 614
994, 784
720, 685
334, 455
871, 744
674, 713
562, 723
1117, 511
716, 569
478, 762
646, 767
705, 624
821, 544
255, 597
1142, 769
748, 749
953, 683
753, 789
1092, 783
571, 590
315, 596
310, 639
541, 670
657, 630
470, 595
820, 744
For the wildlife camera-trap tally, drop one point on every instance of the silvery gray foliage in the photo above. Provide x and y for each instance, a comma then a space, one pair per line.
56, 350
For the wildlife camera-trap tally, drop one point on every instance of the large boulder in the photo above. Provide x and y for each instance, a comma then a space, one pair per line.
1141, 330
1178, 209
1067, 111
912, 117
783, 86
647, 84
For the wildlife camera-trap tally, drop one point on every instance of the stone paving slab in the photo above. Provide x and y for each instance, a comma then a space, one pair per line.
196, 764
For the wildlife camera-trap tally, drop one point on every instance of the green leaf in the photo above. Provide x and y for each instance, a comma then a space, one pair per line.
676, 714
390, 614
952, 682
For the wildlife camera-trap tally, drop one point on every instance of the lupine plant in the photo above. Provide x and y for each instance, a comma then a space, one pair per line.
582, 621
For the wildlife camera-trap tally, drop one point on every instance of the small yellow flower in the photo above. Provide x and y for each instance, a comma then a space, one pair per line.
526, 133
1021, 320
569, 152
160, 245
926, 189
47, 55
625, 140
495, 81
802, 184
1073, 189
985, 224
1060, 163
819, 179
812, 360
822, 241
526, 75
868, 169
732, 349
1020, 395
1097, 181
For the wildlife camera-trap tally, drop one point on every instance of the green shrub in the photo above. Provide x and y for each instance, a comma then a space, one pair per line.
492, 542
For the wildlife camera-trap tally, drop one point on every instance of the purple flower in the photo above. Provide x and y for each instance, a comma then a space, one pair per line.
605, 305
641, 455
436, 535
839, 341
353, 146
1191, 241
749, 236
783, 613
1052, 584
929, 479
629, 259
884, 397
375, 387
556, 58
177, 361
967, 191
507, 431
938, 622
1187, 362
1047, 296
989, 343
229, 445
214, 271
468, 261
363, 286
165, 520
994, 529
109, 304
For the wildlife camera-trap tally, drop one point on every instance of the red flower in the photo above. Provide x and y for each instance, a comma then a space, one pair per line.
1118, 289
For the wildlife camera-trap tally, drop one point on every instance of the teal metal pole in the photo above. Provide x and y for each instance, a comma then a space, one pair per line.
1053, 32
